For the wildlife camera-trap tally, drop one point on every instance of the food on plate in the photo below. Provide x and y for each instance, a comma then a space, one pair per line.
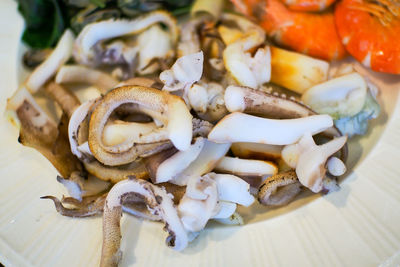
96, 44
348, 98
311, 33
183, 123
308, 5
279, 189
295, 71
366, 29
369, 31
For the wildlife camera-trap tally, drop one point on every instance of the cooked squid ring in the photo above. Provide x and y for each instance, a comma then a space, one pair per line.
77, 118
279, 189
168, 109
118, 173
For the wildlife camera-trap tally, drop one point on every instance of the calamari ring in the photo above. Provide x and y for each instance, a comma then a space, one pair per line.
168, 109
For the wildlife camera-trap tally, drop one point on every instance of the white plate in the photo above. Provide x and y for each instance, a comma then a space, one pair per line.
357, 226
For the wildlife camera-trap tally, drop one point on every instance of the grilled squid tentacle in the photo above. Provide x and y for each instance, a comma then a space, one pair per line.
158, 202
86, 209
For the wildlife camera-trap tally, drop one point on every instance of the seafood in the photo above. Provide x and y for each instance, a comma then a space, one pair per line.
369, 29
348, 98
39, 131
256, 151
55, 60
157, 200
256, 102
175, 164
233, 128
150, 142
81, 74
246, 167
205, 162
295, 71
63, 97
186, 71
91, 49
342, 96
335, 166
199, 203
309, 159
189, 42
207, 99
166, 108
246, 69
279, 189
308, 5
296, 30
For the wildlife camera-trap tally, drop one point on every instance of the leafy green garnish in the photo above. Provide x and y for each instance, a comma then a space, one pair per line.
44, 20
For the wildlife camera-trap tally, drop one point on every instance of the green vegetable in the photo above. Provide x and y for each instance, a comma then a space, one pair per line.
44, 20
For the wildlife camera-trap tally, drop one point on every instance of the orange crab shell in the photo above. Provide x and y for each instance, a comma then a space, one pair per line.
366, 39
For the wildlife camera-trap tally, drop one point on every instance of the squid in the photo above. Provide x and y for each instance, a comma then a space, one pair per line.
170, 110
310, 159
158, 202
90, 48
245, 69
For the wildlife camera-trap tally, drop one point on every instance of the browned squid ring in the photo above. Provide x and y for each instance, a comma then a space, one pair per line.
170, 110
116, 174
279, 189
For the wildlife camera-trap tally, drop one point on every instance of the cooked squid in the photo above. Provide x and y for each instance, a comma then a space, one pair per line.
193, 135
